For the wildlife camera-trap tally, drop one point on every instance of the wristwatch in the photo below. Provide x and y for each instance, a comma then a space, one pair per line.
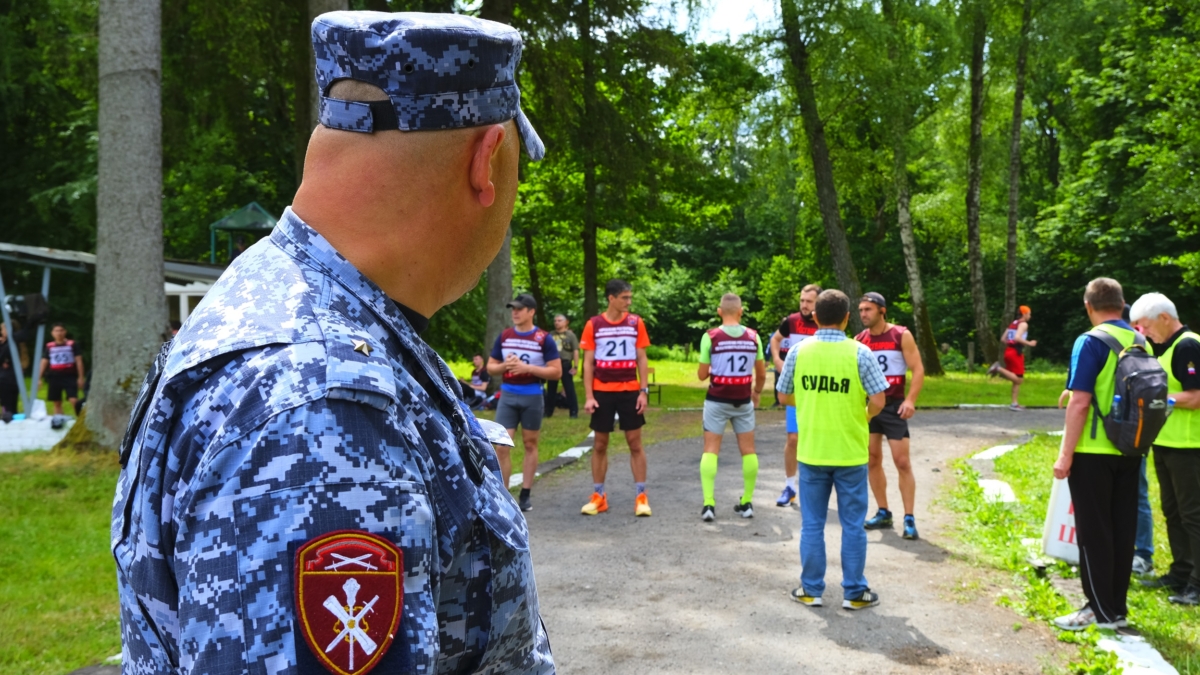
645, 390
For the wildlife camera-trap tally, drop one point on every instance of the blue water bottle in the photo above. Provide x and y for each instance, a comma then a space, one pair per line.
1116, 407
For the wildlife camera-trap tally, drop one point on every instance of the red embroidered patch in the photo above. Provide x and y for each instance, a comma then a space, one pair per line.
349, 596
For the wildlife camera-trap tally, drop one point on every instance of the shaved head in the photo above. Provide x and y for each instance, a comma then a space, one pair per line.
730, 303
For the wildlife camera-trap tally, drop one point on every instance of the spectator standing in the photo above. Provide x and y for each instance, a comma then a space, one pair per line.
1104, 482
63, 368
8, 376
1016, 339
1143, 542
568, 351
1177, 448
829, 378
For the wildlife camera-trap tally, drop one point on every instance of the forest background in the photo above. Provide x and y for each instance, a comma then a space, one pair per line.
970, 154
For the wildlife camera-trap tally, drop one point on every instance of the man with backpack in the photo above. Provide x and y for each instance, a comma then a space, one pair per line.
1099, 457
1177, 447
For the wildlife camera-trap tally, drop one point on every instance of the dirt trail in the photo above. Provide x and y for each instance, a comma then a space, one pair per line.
672, 594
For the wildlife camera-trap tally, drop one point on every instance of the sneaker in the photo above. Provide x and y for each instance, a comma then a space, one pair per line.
1165, 581
708, 513
744, 510
641, 505
800, 596
1077, 620
1142, 567
599, 504
1015, 406
867, 599
910, 528
787, 498
995, 368
1189, 596
881, 519
1121, 622
524, 504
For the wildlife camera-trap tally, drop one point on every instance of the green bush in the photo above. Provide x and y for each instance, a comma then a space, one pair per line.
672, 353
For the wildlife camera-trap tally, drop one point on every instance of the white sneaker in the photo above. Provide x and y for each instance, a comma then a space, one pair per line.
1077, 620
1142, 567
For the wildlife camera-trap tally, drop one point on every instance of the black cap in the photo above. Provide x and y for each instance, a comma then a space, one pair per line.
523, 300
875, 298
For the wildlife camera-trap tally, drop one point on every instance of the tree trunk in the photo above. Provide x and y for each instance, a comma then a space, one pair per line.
983, 326
814, 129
499, 272
583, 20
1014, 168
303, 82
131, 308
535, 287
922, 326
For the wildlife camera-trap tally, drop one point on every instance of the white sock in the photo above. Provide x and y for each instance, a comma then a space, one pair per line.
794, 482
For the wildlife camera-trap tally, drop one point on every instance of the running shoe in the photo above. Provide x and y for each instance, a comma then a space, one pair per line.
995, 368
882, 519
867, 599
744, 510
1142, 567
1077, 620
1165, 581
800, 596
1015, 406
910, 528
708, 513
524, 503
788, 498
1189, 596
641, 506
599, 504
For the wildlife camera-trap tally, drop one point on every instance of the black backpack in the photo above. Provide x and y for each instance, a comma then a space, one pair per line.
1134, 423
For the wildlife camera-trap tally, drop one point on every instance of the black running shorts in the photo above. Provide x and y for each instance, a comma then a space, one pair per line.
888, 421
610, 403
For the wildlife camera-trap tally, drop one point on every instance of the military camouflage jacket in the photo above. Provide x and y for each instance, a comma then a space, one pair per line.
297, 401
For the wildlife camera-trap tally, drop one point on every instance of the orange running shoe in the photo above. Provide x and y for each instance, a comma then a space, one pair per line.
641, 506
599, 504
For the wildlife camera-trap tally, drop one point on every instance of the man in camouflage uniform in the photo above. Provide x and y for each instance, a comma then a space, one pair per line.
302, 488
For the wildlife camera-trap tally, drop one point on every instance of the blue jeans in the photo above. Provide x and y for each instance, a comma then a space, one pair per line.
1143, 546
815, 485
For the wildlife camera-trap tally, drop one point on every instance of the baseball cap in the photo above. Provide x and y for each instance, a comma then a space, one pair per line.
875, 298
440, 71
523, 300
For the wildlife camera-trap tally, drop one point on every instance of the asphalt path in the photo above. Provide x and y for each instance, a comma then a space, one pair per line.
673, 594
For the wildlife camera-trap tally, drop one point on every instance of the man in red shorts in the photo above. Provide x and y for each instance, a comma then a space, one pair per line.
1015, 341
615, 372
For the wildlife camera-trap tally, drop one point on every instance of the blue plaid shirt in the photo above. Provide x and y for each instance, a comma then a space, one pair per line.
869, 372
298, 401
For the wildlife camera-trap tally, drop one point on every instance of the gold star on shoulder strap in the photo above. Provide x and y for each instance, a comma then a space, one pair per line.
362, 347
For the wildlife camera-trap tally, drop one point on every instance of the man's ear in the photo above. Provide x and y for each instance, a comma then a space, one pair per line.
486, 152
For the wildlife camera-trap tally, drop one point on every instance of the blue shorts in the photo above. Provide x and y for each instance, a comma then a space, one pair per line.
791, 420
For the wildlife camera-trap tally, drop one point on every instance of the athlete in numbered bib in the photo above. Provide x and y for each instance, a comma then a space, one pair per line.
1016, 339
731, 359
524, 356
615, 373
795, 327
896, 352
63, 366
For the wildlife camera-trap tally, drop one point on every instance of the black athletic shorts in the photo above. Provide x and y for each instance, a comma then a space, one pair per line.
888, 421
610, 403
59, 384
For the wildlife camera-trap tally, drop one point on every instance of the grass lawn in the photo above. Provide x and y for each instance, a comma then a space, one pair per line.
58, 596
991, 533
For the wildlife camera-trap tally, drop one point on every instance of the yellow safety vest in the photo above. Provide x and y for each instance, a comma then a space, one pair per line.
1183, 426
1105, 388
830, 404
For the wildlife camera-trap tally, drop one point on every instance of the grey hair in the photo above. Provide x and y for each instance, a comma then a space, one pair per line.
1150, 305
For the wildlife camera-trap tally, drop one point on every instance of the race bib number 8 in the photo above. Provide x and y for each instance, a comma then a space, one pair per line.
891, 363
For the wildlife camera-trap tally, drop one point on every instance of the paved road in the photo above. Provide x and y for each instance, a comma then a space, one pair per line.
672, 594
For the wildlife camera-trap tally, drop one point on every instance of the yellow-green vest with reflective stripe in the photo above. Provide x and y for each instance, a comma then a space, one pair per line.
1183, 426
1105, 387
830, 404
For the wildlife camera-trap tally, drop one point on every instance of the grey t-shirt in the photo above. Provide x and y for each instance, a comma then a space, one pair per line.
568, 344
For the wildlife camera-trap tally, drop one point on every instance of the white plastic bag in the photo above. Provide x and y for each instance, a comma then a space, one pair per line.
39, 410
1058, 537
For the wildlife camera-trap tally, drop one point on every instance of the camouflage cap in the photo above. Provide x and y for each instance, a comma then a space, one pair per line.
440, 71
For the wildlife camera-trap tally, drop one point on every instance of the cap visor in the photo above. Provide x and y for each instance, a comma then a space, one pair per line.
533, 142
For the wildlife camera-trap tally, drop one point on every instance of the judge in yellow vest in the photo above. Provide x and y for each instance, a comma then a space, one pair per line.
836, 386
1177, 448
1104, 483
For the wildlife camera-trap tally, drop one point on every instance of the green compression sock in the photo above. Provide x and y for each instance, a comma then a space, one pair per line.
749, 476
708, 477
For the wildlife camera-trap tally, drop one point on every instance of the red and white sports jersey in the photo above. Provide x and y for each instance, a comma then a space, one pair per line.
731, 364
527, 348
794, 329
887, 351
616, 348
62, 357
